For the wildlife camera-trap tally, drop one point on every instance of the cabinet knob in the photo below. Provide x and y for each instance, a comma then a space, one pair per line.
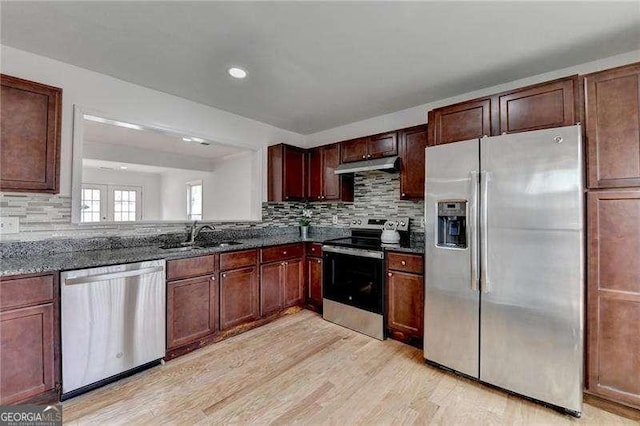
224, 275
284, 252
403, 263
213, 278
319, 261
364, 156
389, 274
369, 156
319, 197
403, 194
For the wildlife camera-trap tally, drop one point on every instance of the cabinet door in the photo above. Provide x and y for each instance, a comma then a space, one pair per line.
239, 295
384, 145
30, 122
413, 143
316, 174
271, 287
27, 355
294, 173
314, 281
192, 310
613, 297
354, 150
405, 301
613, 127
538, 107
460, 122
293, 283
330, 180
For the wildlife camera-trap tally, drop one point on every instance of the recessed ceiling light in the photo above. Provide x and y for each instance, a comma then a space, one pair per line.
186, 139
236, 72
123, 167
197, 140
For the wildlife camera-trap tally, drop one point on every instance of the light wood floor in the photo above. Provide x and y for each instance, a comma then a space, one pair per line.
302, 369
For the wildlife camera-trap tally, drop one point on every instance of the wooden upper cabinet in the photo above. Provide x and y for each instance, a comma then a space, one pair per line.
324, 184
460, 122
354, 150
413, 142
542, 106
383, 145
287, 179
331, 183
613, 295
30, 123
316, 175
613, 127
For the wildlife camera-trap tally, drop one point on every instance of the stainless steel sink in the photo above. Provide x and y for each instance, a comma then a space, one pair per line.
221, 244
195, 246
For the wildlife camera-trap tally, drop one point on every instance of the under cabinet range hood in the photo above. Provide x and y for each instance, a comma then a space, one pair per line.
388, 164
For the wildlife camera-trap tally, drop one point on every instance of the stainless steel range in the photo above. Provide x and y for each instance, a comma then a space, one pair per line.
353, 276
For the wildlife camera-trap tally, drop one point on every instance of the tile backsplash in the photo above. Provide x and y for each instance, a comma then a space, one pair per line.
43, 216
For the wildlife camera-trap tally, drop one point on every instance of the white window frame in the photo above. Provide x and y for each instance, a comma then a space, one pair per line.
190, 185
137, 190
107, 200
103, 200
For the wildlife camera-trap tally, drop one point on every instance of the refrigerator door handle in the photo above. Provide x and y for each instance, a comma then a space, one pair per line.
473, 230
484, 228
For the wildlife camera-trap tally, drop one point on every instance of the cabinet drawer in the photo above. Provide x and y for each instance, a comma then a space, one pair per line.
19, 292
314, 249
405, 262
273, 254
191, 267
238, 259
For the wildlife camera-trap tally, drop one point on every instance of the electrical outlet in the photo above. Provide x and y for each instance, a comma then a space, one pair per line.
334, 219
9, 225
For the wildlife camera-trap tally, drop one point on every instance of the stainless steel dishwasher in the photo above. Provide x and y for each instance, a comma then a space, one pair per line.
113, 323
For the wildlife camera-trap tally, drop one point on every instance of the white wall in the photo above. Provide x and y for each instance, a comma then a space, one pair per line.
137, 104
174, 193
418, 115
232, 187
150, 183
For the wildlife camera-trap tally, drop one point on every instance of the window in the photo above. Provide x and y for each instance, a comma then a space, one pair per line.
124, 205
194, 200
115, 203
91, 204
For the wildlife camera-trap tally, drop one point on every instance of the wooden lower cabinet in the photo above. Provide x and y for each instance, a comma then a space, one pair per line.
613, 295
314, 281
29, 362
270, 288
293, 283
405, 297
192, 310
281, 285
239, 296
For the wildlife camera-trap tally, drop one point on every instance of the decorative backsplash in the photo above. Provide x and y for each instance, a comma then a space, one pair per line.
45, 216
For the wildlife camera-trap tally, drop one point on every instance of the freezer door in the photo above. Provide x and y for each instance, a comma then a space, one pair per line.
451, 295
531, 228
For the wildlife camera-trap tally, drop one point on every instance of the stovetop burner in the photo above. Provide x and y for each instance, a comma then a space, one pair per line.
366, 232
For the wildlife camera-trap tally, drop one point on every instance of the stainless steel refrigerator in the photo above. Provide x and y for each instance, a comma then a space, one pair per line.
504, 262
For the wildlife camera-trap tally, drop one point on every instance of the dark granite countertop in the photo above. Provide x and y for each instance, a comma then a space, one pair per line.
94, 258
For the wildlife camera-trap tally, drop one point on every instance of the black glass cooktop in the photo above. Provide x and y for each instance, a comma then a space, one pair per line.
369, 243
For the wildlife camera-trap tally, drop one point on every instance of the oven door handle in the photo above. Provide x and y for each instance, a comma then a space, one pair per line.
353, 252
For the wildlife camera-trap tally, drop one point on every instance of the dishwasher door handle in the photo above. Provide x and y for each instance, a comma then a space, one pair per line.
112, 275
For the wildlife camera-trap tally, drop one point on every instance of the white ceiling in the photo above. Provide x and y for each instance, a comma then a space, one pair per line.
317, 65
153, 141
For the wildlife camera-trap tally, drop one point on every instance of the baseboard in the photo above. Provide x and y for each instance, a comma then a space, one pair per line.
614, 407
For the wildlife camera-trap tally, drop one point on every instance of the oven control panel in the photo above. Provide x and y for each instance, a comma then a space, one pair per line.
380, 223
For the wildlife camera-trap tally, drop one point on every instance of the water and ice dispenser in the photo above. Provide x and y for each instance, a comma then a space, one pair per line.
452, 224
